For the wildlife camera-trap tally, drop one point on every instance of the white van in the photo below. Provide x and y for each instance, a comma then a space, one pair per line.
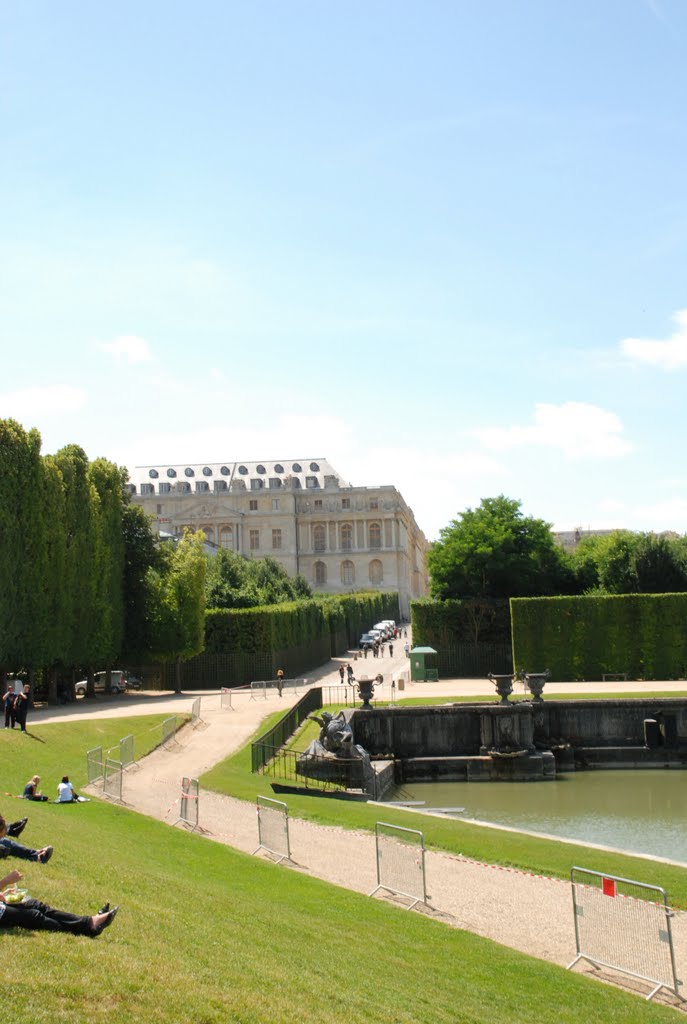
117, 683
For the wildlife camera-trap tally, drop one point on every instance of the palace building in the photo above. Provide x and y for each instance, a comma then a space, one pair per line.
301, 513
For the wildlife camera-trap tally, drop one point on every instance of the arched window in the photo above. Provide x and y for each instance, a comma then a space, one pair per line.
376, 571
226, 537
346, 537
375, 535
347, 573
320, 574
318, 537
209, 532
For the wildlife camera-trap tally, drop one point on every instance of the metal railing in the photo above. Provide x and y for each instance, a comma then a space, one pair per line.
94, 764
626, 926
112, 779
169, 729
195, 712
312, 771
260, 687
262, 749
273, 828
126, 751
225, 699
400, 855
188, 802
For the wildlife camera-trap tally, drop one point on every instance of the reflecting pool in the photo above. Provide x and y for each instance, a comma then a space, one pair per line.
637, 811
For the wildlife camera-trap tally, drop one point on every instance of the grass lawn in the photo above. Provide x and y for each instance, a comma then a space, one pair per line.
541, 856
207, 934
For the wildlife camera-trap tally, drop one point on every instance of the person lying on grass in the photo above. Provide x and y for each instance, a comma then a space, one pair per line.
39, 917
9, 848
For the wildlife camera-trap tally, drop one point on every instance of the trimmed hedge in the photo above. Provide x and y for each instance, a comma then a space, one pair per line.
580, 638
451, 623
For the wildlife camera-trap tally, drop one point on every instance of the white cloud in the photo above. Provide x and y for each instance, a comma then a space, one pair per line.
29, 405
577, 429
128, 348
670, 354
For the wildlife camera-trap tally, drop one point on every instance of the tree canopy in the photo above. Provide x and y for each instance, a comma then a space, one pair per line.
631, 563
495, 551
237, 582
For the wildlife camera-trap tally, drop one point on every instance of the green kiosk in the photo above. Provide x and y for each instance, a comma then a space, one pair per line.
423, 665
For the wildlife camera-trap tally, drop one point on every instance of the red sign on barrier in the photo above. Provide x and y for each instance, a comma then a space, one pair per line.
608, 886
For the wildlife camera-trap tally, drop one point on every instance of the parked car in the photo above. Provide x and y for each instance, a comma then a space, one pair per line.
117, 683
366, 642
133, 683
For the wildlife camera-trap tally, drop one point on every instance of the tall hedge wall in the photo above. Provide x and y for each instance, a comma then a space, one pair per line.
579, 638
443, 624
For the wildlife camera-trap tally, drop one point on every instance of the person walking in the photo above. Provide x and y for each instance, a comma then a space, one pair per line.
8, 703
391, 650
349, 672
21, 706
406, 649
280, 679
342, 672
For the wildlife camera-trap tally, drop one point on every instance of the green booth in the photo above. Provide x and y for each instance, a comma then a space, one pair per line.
423, 665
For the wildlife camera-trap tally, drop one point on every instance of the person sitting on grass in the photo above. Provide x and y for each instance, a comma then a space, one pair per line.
66, 794
8, 848
31, 790
37, 916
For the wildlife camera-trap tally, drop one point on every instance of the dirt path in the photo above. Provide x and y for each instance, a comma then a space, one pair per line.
523, 911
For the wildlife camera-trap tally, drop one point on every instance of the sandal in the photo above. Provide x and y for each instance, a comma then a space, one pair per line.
45, 855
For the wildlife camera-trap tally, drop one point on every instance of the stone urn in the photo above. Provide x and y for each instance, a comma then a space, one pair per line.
503, 684
535, 682
366, 689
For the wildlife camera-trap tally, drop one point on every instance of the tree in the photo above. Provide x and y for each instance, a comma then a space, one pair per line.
236, 582
176, 601
496, 551
140, 555
631, 563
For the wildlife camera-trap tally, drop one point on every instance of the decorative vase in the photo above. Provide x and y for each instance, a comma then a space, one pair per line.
503, 684
535, 683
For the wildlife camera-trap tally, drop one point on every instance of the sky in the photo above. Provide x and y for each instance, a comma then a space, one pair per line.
442, 244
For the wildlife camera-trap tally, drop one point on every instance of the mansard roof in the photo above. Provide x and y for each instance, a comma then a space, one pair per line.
304, 470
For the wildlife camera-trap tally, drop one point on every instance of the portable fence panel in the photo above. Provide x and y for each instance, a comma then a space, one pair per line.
624, 925
169, 728
126, 751
94, 764
225, 699
112, 784
195, 711
401, 861
188, 803
273, 827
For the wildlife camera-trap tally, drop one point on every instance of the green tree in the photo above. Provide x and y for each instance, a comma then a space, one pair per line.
496, 551
140, 556
236, 582
176, 596
107, 634
623, 562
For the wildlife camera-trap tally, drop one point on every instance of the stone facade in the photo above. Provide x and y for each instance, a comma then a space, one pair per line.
341, 538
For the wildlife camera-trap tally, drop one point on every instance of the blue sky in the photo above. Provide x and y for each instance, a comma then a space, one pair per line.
442, 244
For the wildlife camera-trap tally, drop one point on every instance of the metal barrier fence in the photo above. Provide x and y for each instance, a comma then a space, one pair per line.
126, 751
262, 750
169, 728
225, 699
624, 925
400, 862
260, 687
346, 696
273, 828
188, 802
195, 712
94, 764
311, 771
112, 779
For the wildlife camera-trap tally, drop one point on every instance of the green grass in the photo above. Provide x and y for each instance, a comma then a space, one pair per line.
541, 856
206, 934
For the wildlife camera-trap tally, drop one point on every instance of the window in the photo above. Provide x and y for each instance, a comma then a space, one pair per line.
347, 573
171, 472
346, 537
202, 485
219, 485
243, 471
318, 503
276, 538
345, 503
260, 469
275, 504
253, 504
184, 486
279, 468
225, 471
159, 510
153, 474
374, 503
147, 488
254, 539
375, 535
320, 574
297, 468
314, 468
318, 537
376, 571
209, 532
207, 471
226, 537
275, 482
256, 484
164, 487
312, 482
189, 472
130, 488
